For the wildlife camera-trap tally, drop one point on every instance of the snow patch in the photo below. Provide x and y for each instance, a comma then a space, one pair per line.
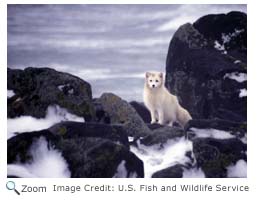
193, 173
238, 170
61, 87
130, 139
158, 157
244, 139
46, 163
122, 172
243, 93
10, 93
212, 133
237, 62
54, 114
19, 170
218, 46
239, 77
226, 38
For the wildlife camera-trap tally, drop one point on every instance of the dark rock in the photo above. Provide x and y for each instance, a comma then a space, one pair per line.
213, 27
175, 171
69, 129
142, 111
215, 155
37, 88
101, 115
196, 71
121, 112
91, 157
162, 134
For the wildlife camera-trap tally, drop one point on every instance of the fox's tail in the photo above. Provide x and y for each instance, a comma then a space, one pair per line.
183, 116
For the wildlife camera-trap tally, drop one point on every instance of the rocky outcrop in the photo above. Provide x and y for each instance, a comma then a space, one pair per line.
142, 111
87, 156
116, 133
214, 156
206, 67
37, 88
161, 134
121, 112
175, 171
216, 145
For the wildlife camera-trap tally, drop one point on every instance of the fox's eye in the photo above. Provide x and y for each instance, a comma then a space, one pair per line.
156, 80
151, 80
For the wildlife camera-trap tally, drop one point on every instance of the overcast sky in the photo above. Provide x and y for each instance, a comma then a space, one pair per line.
110, 46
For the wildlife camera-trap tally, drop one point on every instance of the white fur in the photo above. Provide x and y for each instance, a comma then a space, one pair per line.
163, 106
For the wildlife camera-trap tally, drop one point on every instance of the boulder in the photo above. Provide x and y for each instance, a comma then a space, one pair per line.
162, 134
214, 156
68, 129
87, 157
37, 88
142, 111
121, 112
175, 171
206, 67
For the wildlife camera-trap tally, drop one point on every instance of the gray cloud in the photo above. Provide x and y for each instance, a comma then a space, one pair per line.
110, 41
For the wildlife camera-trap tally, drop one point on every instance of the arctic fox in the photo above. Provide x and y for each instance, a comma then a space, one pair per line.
163, 106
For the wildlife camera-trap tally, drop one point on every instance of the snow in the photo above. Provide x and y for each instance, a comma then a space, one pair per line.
46, 163
239, 77
70, 91
226, 38
54, 114
122, 171
193, 173
237, 61
243, 93
157, 157
10, 93
130, 139
212, 133
60, 87
238, 170
19, 170
218, 46
244, 139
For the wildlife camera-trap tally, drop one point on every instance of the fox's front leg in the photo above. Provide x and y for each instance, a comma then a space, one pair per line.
153, 116
161, 117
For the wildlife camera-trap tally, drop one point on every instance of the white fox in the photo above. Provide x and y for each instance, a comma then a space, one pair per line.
163, 106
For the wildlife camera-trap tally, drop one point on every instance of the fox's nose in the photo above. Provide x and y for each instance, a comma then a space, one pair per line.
153, 85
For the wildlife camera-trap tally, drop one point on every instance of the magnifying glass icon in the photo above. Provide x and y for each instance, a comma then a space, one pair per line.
10, 185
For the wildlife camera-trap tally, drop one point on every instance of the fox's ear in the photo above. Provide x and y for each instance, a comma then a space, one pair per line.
161, 75
147, 74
